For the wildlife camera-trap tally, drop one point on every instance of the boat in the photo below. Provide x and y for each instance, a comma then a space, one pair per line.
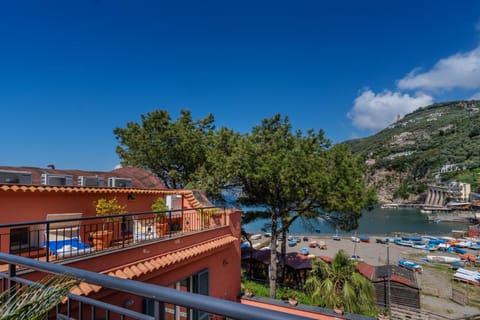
459, 250
313, 244
389, 206
468, 257
403, 243
410, 265
322, 245
355, 239
364, 239
336, 237
292, 242
412, 238
442, 259
244, 245
468, 276
256, 236
304, 251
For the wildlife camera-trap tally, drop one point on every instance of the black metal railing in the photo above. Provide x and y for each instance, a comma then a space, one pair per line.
54, 239
75, 307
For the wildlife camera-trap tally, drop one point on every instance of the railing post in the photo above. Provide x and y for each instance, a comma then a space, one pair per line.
12, 272
47, 242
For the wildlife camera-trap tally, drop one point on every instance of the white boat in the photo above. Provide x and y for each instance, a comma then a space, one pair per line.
468, 276
443, 259
256, 236
355, 239
389, 206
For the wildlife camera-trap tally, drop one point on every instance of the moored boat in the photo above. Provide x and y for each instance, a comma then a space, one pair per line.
364, 239
410, 265
403, 243
442, 259
304, 251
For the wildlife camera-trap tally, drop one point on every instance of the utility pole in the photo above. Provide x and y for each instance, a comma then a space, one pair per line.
388, 278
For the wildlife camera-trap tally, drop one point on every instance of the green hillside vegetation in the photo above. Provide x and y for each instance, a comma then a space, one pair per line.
422, 143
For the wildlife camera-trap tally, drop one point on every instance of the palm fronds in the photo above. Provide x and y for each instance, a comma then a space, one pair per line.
34, 301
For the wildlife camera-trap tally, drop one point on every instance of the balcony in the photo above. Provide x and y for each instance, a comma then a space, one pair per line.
71, 236
163, 303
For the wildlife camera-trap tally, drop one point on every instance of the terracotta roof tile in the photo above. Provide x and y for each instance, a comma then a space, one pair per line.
143, 267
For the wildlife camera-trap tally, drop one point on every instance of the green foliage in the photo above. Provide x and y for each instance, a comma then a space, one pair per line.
173, 150
106, 207
424, 141
160, 206
337, 284
33, 302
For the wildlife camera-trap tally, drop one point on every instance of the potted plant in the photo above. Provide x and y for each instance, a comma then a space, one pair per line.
291, 296
384, 314
248, 290
159, 207
210, 216
104, 207
338, 307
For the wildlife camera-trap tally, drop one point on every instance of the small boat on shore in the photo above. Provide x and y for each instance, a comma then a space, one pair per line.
443, 259
410, 265
313, 244
292, 242
403, 243
355, 239
468, 276
304, 251
364, 239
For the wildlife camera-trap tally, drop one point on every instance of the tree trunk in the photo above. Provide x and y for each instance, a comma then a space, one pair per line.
273, 259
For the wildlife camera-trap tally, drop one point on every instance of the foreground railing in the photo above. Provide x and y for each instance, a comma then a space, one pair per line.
62, 236
198, 306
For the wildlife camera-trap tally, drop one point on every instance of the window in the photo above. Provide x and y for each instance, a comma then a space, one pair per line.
196, 283
19, 239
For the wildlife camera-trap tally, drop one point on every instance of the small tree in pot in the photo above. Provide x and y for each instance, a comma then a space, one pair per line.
104, 207
159, 207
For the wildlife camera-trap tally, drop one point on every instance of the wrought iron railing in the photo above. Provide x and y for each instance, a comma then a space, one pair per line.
81, 307
60, 239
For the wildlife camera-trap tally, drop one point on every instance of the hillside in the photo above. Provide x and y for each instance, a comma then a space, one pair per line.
434, 144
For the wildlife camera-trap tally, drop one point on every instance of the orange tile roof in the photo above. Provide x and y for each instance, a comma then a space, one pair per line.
139, 268
141, 178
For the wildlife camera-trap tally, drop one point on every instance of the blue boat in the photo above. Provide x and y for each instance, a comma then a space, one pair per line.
410, 265
459, 250
403, 243
411, 238
292, 242
304, 251
364, 238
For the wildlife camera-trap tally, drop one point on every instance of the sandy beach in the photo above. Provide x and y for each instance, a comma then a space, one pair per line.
436, 284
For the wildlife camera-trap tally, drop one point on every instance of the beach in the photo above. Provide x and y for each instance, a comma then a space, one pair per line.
436, 284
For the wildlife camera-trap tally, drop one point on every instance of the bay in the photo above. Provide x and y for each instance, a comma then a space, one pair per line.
377, 221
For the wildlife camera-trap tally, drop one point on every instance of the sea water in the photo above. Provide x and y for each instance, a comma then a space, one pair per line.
377, 221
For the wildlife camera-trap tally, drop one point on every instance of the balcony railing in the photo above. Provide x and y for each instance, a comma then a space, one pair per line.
59, 239
80, 307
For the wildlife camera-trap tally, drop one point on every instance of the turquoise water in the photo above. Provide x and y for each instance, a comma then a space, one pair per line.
375, 222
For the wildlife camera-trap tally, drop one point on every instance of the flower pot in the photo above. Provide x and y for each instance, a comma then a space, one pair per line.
248, 293
338, 310
162, 228
101, 239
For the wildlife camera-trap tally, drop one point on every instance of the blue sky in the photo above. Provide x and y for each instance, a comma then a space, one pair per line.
72, 71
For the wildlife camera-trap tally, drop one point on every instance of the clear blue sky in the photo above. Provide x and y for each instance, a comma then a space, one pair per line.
72, 71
